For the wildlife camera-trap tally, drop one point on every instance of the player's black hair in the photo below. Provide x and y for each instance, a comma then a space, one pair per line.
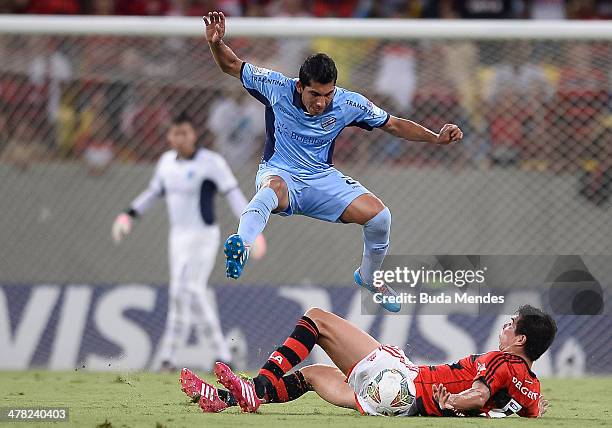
319, 68
183, 117
539, 327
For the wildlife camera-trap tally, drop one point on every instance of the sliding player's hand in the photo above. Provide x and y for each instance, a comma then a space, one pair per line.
215, 26
449, 134
542, 406
441, 396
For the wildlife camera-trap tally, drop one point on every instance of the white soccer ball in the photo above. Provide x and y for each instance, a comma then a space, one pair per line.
389, 393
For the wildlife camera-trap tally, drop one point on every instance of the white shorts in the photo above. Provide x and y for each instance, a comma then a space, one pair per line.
384, 357
192, 254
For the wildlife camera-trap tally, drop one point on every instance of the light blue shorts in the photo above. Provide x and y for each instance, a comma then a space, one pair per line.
324, 195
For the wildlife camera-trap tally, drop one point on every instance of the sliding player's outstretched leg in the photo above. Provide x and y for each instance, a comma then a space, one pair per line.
271, 385
327, 381
272, 195
375, 217
342, 341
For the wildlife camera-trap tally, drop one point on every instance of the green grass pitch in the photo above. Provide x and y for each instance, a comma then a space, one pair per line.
155, 400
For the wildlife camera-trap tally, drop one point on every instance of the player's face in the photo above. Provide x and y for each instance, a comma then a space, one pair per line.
507, 336
316, 96
182, 138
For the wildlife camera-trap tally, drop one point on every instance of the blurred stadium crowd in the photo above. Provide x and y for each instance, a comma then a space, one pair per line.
534, 105
484, 9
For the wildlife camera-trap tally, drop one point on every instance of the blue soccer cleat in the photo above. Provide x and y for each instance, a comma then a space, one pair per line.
385, 290
236, 256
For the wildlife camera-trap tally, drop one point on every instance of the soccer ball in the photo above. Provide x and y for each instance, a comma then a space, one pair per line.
389, 393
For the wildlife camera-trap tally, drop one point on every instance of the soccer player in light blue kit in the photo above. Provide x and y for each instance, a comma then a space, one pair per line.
296, 176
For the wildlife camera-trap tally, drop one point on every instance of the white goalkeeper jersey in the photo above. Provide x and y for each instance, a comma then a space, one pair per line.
189, 187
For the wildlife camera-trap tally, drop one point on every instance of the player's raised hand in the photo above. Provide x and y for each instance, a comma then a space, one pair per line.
121, 227
449, 134
542, 405
215, 26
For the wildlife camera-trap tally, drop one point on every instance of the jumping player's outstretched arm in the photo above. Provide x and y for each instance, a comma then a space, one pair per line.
225, 58
409, 130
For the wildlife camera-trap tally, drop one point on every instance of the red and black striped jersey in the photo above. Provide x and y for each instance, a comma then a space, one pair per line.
514, 387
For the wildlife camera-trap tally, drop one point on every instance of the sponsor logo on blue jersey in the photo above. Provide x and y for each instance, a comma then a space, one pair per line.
328, 123
367, 109
309, 140
265, 79
261, 71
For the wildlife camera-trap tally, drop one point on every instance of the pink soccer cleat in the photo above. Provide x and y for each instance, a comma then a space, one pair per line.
191, 384
203, 393
209, 399
243, 390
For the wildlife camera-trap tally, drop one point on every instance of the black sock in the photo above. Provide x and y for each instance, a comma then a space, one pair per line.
288, 388
292, 352
264, 388
227, 397
292, 386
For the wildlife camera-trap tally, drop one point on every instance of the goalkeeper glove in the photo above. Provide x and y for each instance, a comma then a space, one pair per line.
121, 227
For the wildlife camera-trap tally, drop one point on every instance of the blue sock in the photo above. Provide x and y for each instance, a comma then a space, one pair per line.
256, 214
375, 244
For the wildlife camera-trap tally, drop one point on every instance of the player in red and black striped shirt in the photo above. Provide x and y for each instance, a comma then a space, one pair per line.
503, 381
495, 384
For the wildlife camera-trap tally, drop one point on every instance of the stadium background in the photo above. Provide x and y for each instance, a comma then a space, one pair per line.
83, 118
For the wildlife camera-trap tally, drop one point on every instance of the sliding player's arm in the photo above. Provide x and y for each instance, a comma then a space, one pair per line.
409, 130
470, 399
225, 58
476, 397
143, 202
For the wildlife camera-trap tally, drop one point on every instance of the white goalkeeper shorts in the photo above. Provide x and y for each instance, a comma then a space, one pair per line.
192, 254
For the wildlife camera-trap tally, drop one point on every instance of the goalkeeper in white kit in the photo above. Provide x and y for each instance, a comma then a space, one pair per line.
188, 177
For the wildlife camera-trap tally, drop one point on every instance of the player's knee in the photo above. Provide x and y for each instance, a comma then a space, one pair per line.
386, 217
314, 313
318, 316
278, 185
381, 221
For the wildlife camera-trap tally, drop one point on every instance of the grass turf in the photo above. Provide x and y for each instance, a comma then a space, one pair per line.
155, 400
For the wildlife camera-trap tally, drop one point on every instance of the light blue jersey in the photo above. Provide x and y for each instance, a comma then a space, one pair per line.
295, 140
